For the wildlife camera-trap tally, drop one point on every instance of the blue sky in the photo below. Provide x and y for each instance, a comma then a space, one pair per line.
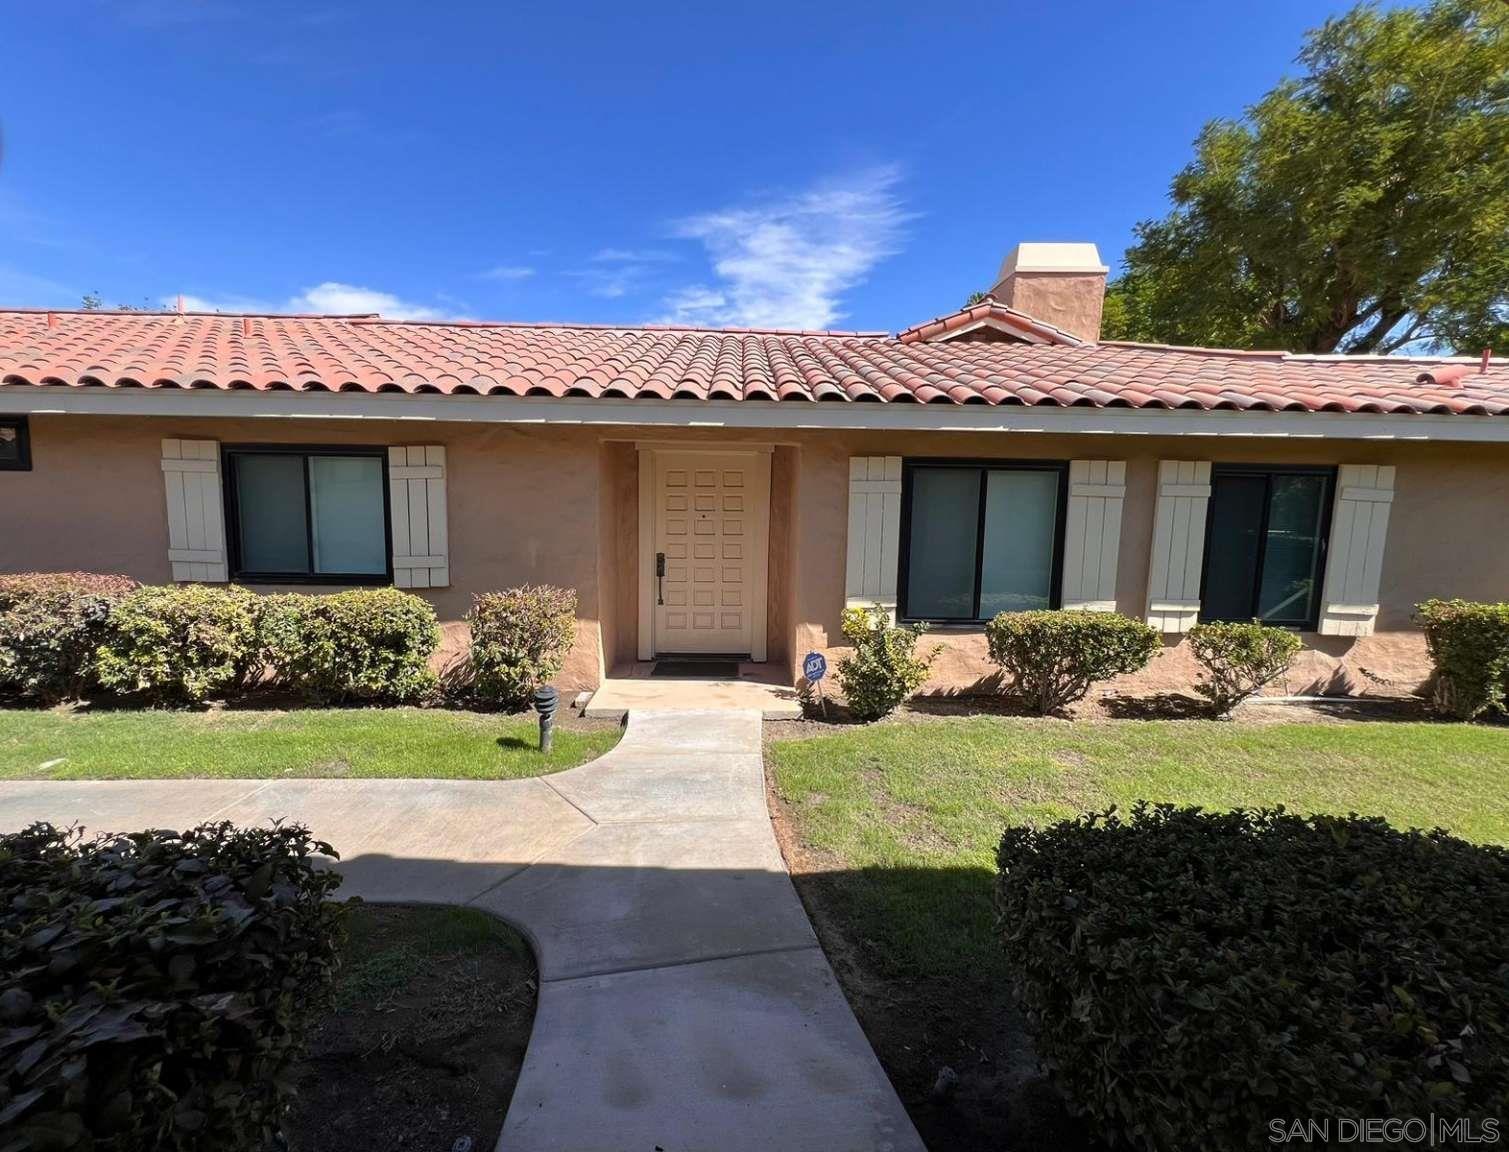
814, 165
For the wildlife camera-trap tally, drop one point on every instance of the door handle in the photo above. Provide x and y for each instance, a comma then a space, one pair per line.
660, 578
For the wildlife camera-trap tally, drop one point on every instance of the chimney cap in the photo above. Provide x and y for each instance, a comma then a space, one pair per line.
1069, 259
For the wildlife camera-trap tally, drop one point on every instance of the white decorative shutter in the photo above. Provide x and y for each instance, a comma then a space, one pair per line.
1092, 533
1359, 523
874, 530
1173, 584
416, 500
196, 509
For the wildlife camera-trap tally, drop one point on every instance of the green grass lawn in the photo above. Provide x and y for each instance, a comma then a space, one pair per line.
898, 823
353, 742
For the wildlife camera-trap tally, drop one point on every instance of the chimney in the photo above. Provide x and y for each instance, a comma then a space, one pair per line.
1059, 284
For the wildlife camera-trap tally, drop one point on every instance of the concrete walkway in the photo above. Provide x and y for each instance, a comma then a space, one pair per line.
684, 1002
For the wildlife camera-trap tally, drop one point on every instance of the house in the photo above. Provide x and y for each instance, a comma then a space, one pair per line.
731, 491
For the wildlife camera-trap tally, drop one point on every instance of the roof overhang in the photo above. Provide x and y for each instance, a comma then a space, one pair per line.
748, 414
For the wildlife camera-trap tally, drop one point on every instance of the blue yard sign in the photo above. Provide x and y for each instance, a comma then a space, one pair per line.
815, 666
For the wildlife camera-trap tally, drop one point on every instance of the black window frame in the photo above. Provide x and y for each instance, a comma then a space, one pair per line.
22, 426
910, 467
1328, 472
233, 523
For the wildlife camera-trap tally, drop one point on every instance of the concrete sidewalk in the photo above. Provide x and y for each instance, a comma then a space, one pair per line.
684, 1001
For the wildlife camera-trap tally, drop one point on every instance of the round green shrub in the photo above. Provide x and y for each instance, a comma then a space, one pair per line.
1189, 976
1052, 657
1239, 658
883, 669
179, 643
1469, 646
154, 987
520, 638
50, 625
368, 644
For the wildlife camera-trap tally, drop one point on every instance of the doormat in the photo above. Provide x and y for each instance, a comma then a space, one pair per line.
697, 669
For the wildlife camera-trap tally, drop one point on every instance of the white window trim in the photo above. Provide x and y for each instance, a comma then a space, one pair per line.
1354, 559
196, 510
872, 555
1177, 559
418, 519
1092, 534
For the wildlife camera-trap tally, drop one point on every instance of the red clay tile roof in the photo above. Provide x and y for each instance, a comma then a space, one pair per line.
987, 311
363, 354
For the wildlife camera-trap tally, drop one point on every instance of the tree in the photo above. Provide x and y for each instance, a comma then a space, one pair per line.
94, 302
1360, 208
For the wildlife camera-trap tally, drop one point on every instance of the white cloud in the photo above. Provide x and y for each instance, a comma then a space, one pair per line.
786, 262
332, 296
634, 256
507, 272
612, 280
192, 303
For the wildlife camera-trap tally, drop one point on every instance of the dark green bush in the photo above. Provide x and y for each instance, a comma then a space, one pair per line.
1469, 645
520, 638
368, 644
1189, 976
154, 987
1053, 657
884, 668
50, 625
1239, 659
180, 643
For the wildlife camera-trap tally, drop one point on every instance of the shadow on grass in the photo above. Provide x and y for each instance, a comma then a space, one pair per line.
919, 958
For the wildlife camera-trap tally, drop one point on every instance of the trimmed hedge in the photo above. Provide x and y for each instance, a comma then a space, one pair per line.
884, 668
154, 987
1469, 646
368, 644
1239, 659
520, 638
1189, 976
50, 625
1053, 657
180, 643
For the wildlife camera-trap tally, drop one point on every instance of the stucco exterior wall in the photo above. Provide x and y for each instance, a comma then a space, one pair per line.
1445, 538
559, 504
1072, 301
523, 506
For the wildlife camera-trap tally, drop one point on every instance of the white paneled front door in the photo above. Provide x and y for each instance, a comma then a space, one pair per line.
709, 533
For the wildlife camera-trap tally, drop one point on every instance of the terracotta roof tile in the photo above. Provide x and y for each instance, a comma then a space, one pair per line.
364, 354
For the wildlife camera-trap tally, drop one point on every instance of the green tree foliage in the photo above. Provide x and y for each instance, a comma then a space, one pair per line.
1359, 208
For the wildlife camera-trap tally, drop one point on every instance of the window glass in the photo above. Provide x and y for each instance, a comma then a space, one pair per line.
1264, 552
346, 501
1291, 556
13, 455
945, 520
309, 514
1236, 521
1021, 513
270, 513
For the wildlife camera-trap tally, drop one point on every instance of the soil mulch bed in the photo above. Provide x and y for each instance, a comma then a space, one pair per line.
1256, 712
423, 1043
